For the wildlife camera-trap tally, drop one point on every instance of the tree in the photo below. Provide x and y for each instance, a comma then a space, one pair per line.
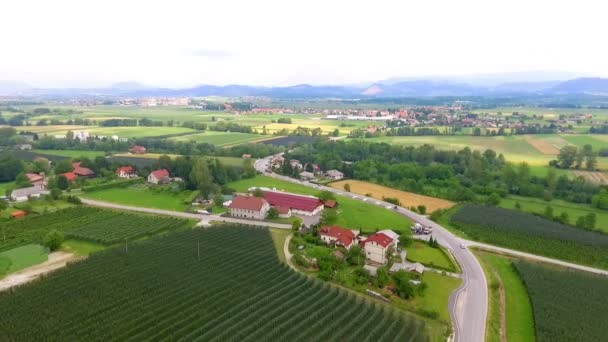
248, 169
22, 181
53, 239
328, 217
64, 166
55, 193
493, 199
326, 195
382, 277
62, 182
296, 223
590, 220
356, 256
591, 162
335, 133
567, 156
422, 209
201, 177
272, 213
257, 192
218, 200
347, 187
548, 212
477, 131
403, 287
69, 136
517, 205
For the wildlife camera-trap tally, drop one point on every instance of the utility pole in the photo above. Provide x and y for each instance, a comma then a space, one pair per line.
198, 249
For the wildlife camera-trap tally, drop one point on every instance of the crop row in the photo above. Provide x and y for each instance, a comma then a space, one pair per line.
99, 225
530, 233
222, 283
567, 305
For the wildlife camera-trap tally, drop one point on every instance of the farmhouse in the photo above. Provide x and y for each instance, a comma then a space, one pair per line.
137, 149
126, 172
378, 246
250, 207
82, 171
298, 204
307, 175
296, 164
38, 180
334, 174
22, 195
70, 176
277, 162
338, 236
159, 177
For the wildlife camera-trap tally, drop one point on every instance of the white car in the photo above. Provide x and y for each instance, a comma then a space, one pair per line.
462, 246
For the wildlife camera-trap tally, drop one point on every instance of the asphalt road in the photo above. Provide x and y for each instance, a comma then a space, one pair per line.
469, 303
205, 218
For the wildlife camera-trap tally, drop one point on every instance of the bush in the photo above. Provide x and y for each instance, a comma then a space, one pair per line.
272, 213
422, 209
73, 200
392, 200
53, 240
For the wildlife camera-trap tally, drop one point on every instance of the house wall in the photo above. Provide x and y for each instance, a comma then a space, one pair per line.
308, 213
375, 252
251, 214
152, 179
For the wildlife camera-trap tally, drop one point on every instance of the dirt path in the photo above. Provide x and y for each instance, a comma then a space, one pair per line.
288, 254
56, 261
503, 307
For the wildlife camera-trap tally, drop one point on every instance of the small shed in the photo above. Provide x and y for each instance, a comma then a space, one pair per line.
18, 214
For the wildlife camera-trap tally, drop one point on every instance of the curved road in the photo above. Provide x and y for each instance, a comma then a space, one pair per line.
469, 303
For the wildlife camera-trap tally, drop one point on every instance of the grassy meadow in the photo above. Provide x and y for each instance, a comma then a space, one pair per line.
433, 257
222, 138
142, 196
22, 257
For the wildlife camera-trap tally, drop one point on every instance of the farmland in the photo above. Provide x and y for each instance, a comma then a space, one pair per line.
351, 213
142, 196
533, 205
533, 234
568, 305
243, 292
515, 308
72, 153
222, 138
97, 225
407, 199
22, 257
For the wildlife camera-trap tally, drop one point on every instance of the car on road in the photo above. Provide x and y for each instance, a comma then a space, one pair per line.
462, 246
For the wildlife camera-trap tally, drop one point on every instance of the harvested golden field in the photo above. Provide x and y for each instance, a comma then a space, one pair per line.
543, 146
407, 199
595, 177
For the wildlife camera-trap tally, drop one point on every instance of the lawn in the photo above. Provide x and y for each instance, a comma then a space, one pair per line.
351, 213
535, 205
72, 153
122, 132
519, 316
433, 257
143, 196
278, 238
81, 247
22, 257
5, 186
437, 294
222, 138
407, 199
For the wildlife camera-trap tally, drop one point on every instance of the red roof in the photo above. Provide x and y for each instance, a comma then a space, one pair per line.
248, 203
82, 171
162, 173
345, 236
380, 238
137, 148
125, 169
282, 210
330, 203
33, 177
292, 201
18, 213
71, 176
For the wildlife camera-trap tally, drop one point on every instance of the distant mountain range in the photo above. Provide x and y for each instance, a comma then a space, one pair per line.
387, 88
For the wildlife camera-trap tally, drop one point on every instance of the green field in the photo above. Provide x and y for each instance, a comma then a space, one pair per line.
72, 153
518, 311
142, 196
16, 259
82, 247
163, 289
222, 138
574, 210
351, 213
437, 294
433, 257
5, 186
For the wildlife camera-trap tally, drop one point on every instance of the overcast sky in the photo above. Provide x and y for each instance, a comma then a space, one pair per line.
182, 43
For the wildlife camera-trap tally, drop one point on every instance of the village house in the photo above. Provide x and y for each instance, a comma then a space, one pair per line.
277, 162
126, 172
22, 195
70, 176
298, 204
159, 177
24, 147
82, 171
137, 150
38, 180
338, 236
379, 246
250, 207
305, 175
296, 164
334, 174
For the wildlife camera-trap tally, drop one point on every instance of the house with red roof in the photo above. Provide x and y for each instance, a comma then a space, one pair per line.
126, 172
159, 177
379, 246
82, 171
338, 236
249, 207
137, 149
298, 204
71, 176
38, 180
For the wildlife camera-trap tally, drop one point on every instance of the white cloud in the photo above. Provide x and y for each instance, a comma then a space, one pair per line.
181, 43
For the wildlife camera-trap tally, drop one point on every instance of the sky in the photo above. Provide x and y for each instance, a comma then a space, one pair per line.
176, 43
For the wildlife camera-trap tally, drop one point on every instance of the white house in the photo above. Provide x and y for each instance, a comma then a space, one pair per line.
22, 195
250, 207
335, 235
334, 174
126, 172
159, 177
378, 247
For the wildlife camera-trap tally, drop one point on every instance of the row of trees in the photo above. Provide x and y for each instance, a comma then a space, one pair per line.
573, 157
